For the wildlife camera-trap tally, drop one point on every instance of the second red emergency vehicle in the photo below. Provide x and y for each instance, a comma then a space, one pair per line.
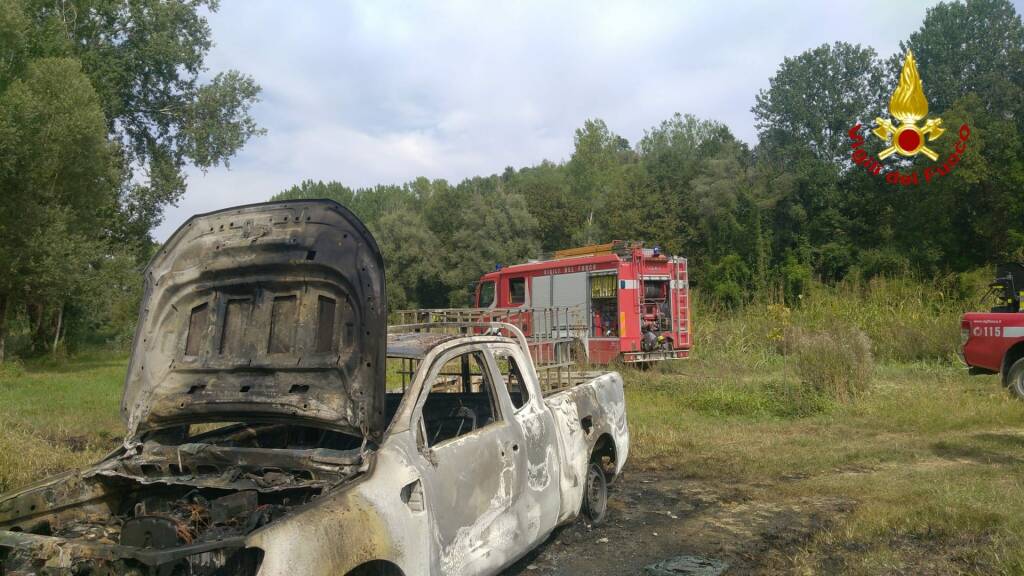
993, 342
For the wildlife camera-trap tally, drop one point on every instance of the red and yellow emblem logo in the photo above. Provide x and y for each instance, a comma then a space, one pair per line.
908, 105
906, 137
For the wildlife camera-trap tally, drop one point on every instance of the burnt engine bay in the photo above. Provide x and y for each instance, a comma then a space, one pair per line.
180, 502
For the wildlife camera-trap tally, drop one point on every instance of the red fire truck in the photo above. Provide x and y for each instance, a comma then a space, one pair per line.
634, 301
993, 342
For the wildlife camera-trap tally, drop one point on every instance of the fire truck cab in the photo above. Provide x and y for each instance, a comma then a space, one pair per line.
993, 342
634, 302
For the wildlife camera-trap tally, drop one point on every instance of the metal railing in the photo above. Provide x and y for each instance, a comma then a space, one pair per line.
554, 338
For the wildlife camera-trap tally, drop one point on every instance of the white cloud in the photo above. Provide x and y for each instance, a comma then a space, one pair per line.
383, 92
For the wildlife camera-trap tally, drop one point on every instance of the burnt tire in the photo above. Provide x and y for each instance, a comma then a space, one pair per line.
376, 568
1015, 379
595, 495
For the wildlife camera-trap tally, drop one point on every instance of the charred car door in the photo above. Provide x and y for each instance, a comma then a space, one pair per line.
474, 454
538, 485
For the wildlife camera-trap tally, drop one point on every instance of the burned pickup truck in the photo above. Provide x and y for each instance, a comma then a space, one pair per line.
275, 427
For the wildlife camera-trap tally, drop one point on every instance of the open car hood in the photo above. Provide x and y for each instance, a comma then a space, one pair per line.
272, 312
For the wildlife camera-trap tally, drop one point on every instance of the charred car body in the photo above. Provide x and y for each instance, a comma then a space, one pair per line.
262, 437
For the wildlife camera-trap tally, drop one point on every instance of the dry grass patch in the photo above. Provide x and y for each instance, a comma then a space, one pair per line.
836, 363
58, 416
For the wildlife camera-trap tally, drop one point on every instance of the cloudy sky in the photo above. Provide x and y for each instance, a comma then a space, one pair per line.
382, 92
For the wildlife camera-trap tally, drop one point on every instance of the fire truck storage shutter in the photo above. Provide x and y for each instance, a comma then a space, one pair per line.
569, 290
540, 296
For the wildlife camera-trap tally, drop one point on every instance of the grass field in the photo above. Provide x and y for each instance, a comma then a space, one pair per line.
931, 461
927, 462
58, 415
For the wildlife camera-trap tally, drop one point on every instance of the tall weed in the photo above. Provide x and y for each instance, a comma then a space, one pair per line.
836, 364
905, 319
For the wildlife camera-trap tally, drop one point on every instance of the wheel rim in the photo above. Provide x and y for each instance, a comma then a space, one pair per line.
1018, 385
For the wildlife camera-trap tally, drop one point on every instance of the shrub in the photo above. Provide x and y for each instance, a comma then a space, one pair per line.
729, 281
796, 279
836, 363
11, 368
874, 263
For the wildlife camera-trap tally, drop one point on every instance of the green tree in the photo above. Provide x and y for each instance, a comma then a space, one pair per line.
974, 47
971, 60
595, 171
674, 155
814, 98
101, 108
730, 281
412, 260
144, 59
550, 200
59, 173
637, 210
504, 232
803, 120
317, 189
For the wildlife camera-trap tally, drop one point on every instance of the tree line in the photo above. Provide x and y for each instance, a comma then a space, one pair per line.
752, 219
102, 107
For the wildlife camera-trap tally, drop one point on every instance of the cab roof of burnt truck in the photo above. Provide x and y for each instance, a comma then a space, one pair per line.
415, 344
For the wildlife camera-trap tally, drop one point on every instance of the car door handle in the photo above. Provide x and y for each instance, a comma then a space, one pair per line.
412, 495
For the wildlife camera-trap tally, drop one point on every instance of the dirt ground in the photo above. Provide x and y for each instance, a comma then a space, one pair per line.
660, 525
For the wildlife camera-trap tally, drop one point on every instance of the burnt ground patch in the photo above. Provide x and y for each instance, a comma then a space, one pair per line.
655, 516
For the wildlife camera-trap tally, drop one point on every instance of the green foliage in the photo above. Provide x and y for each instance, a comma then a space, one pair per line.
729, 281
412, 259
101, 108
795, 277
438, 239
144, 59
502, 231
904, 319
309, 189
548, 195
58, 172
816, 96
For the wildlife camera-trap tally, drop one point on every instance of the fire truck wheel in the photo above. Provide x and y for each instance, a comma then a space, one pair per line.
1015, 379
595, 496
